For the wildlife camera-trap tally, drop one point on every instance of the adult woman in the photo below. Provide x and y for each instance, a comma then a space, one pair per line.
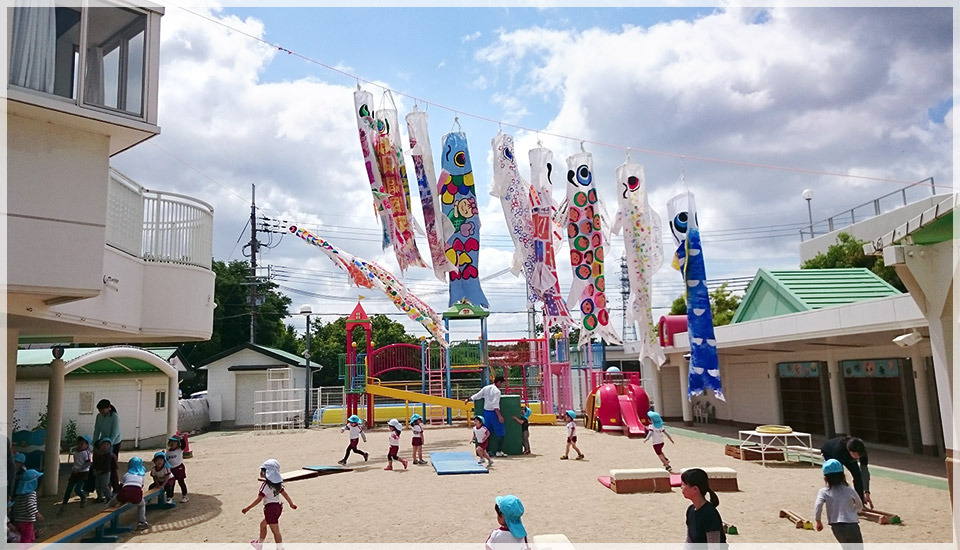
107, 426
852, 453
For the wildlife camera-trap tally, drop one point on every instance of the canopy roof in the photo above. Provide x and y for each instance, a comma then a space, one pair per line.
107, 365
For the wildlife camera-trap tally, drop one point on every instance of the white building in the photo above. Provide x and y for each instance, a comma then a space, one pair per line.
91, 256
235, 375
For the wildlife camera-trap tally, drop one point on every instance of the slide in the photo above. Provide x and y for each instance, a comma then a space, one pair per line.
413, 397
628, 415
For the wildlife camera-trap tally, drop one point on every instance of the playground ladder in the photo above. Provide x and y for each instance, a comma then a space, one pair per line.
435, 386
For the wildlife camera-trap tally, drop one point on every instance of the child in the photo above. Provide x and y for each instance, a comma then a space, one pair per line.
24, 512
656, 431
525, 429
572, 436
416, 424
104, 462
704, 525
131, 490
270, 492
481, 438
356, 432
162, 477
177, 468
511, 533
843, 504
82, 460
394, 452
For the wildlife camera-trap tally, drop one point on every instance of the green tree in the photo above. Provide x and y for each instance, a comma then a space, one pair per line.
328, 342
723, 304
848, 252
231, 319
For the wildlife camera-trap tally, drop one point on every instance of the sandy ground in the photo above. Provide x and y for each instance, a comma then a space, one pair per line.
370, 505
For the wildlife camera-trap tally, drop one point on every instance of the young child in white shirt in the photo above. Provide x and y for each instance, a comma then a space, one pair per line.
511, 533
416, 425
481, 438
82, 460
655, 431
356, 432
393, 453
131, 490
571, 436
162, 477
177, 468
270, 492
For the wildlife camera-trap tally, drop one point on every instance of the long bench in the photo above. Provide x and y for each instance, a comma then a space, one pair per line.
640, 480
722, 479
105, 524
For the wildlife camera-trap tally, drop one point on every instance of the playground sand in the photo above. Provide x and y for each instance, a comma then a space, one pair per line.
369, 505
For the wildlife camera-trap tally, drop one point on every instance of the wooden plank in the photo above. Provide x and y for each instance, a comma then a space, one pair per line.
796, 519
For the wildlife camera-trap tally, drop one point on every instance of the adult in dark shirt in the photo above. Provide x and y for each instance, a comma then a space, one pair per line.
704, 525
852, 453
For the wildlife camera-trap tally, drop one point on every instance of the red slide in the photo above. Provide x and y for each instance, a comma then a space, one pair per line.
628, 415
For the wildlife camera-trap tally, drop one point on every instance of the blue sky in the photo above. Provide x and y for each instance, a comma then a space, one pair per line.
863, 92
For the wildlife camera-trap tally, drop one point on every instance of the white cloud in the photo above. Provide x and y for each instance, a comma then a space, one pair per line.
471, 37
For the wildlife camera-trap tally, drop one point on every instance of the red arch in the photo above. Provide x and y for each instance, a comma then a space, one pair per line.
395, 357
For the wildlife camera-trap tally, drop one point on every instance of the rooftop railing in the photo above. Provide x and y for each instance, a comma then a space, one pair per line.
158, 226
879, 205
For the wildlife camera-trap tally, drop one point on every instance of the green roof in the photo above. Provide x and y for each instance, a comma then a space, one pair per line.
464, 310
781, 292
113, 365
275, 353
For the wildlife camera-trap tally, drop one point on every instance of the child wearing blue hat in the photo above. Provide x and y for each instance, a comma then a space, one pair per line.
79, 472
524, 422
162, 476
511, 533
174, 456
416, 425
571, 436
131, 490
356, 432
656, 431
24, 512
843, 504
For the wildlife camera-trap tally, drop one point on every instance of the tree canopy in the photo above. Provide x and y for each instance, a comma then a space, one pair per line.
848, 252
723, 304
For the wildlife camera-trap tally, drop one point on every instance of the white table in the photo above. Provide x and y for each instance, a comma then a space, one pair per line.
768, 443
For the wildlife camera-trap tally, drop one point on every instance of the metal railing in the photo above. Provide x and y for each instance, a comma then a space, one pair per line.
879, 205
158, 226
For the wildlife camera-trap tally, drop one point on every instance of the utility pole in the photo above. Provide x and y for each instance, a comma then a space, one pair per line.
628, 327
254, 246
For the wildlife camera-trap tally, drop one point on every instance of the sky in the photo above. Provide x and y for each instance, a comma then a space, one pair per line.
744, 107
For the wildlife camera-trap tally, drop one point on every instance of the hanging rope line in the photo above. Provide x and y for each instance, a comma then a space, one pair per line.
457, 112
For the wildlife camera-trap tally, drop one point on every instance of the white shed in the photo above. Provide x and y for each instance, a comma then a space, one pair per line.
234, 376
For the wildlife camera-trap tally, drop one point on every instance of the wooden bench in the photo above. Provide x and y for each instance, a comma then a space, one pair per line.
804, 454
640, 480
722, 479
105, 524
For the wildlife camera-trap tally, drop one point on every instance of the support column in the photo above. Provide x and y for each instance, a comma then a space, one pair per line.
51, 450
684, 401
840, 424
924, 405
173, 405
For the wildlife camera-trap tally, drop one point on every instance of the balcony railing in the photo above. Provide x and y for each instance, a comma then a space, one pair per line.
158, 226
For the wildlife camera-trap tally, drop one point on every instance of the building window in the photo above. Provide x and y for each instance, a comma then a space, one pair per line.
55, 49
161, 400
86, 402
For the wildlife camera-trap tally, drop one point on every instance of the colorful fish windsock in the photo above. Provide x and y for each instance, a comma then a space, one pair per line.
438, 227
545, 236
393, 173
458, 198
370, 275
644, 253
514, 195
367, 125
704, 364
581, 213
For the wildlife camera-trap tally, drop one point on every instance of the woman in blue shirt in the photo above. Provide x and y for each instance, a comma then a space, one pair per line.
107, 426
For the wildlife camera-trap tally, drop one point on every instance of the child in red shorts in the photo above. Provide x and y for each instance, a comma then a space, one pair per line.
131, 490
416, 425
162, 477
394, 452
174, 456
572, 436
270, 492
481, 438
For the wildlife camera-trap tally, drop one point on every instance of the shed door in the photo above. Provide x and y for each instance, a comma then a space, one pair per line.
247, 384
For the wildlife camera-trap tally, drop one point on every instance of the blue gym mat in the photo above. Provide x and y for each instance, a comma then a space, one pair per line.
456, 463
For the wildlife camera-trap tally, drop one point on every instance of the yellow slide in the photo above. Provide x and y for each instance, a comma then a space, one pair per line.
413, 397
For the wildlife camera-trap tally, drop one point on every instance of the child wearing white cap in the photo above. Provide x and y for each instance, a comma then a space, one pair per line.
131, 490
571, 436
270, 492
843, 504
394, 452
356, 432
416, 425
510, 534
